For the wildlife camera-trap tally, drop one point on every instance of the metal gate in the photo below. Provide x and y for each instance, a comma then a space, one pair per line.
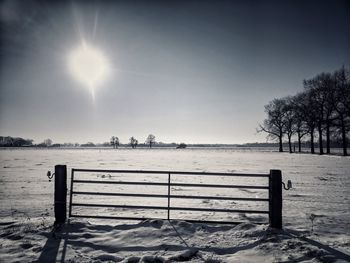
273, 189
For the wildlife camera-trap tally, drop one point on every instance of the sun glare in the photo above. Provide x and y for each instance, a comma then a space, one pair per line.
89, 66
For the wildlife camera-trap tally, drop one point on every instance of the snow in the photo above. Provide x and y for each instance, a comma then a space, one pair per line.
316, 210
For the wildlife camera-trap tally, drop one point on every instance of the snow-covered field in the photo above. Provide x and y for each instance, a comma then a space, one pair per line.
316, 211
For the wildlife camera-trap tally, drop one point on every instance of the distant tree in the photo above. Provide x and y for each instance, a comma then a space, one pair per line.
18, 142
5, 141
151, 139
115, 142
112, 141
274, 124
133, 142
29, 142
48, 142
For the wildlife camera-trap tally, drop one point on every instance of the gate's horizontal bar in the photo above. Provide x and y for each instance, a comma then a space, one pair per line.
167, 172
120, 194
117, 217
172, 184
122, 206
219, 210
220, 198
118, 182
174, 208
216, 222
174, 196
175, 219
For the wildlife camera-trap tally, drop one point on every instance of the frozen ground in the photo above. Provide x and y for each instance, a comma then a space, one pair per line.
321, 191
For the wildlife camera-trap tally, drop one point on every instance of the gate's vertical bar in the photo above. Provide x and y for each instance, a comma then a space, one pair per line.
275, 199
169, 196
71, 193
60, 194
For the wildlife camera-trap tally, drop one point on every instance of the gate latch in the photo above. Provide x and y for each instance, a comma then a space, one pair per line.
289, 185
49, 175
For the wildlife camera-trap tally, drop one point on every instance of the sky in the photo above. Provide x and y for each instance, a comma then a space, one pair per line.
185, 71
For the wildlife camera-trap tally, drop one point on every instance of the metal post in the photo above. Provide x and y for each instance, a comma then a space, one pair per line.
275, 199
169, 196
60, 193
71, 194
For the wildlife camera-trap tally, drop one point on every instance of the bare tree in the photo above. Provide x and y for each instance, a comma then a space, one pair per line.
300, 125
341, 104
48, 142
274, 124
151, 139
318, 89
133, 142
289, 120
114, 142
309, 110
324, 106
328, 87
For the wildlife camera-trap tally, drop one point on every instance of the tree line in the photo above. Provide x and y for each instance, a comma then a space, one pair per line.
8, 141
133, 142
321, 112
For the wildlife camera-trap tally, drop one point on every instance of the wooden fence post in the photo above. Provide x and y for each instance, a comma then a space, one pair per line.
275, 199
60, 194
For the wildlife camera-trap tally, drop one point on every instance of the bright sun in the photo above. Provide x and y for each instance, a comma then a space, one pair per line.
89, 66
